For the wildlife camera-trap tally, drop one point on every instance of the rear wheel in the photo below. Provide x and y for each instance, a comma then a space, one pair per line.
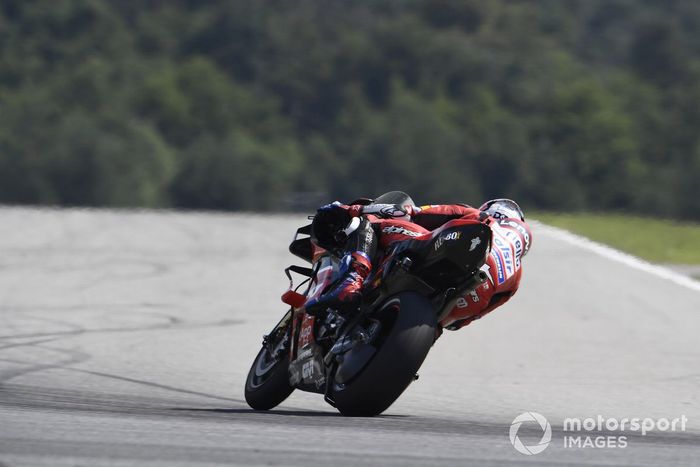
401, 352
267, 384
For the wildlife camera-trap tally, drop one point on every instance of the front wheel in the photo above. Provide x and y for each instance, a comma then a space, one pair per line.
267, 384
400, 354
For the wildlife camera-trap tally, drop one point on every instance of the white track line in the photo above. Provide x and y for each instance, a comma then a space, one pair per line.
616, 255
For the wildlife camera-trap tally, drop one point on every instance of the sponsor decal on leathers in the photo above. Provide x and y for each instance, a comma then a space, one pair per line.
393, 229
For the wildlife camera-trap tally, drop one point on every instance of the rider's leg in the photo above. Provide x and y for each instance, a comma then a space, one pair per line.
356, 265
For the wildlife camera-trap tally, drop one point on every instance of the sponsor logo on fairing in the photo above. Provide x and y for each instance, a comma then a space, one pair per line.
307, 370
305, 352
305, 333
393, 229
462, 302
439, 242
450, 236
476, 241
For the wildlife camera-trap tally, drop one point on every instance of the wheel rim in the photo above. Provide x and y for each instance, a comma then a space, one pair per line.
393, 304
264, 365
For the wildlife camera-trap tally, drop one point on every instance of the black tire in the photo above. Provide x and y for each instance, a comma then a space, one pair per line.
399, 357
267, 384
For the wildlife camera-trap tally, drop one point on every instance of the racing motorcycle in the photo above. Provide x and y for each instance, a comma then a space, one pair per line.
361, 361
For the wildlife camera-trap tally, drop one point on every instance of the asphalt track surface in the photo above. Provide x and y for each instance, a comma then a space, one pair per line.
125, 338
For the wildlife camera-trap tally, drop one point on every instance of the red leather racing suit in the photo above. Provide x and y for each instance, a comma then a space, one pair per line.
510, 239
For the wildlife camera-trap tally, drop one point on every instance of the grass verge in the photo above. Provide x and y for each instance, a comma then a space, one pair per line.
658, 241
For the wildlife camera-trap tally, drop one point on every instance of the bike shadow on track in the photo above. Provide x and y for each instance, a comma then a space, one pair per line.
293, 412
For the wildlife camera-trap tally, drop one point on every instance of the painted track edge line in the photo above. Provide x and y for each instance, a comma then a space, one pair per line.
617, 255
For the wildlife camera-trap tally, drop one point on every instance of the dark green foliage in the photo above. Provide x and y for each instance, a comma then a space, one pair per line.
270, 104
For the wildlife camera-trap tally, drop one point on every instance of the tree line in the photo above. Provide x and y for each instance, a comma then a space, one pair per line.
274, 105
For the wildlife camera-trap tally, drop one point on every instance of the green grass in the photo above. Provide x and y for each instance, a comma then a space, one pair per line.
658, 241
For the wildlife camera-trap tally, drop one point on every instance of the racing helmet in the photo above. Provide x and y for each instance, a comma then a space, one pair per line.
503, 208
325, 228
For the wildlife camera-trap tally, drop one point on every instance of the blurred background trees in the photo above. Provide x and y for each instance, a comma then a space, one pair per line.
583, 104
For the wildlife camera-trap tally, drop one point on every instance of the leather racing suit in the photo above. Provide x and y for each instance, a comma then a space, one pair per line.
383, 225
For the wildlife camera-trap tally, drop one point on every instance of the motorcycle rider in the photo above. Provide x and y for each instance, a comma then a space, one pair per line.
357, 231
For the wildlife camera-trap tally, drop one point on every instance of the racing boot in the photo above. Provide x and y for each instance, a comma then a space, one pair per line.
347, 291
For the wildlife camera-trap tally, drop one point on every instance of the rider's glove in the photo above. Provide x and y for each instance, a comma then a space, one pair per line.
336, 207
